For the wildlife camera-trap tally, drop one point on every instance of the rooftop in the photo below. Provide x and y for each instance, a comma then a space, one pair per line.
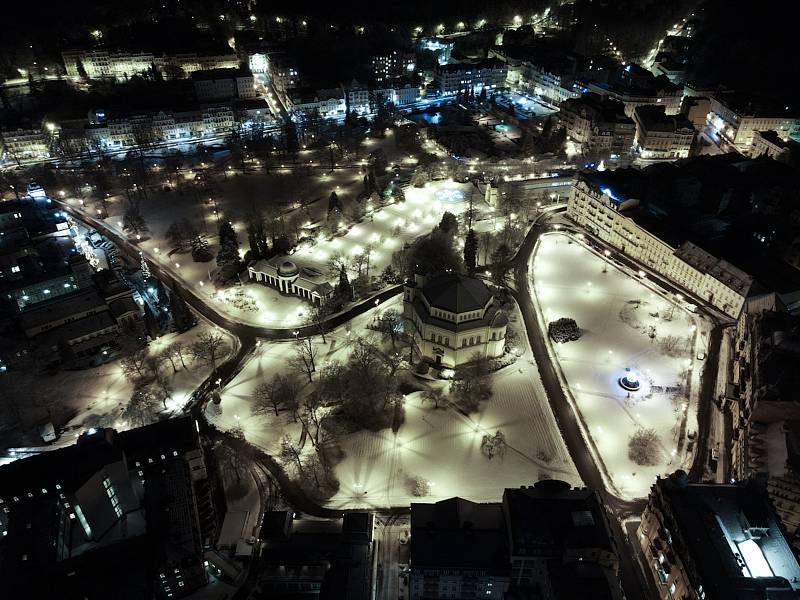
456, 293
732, 536
460, 534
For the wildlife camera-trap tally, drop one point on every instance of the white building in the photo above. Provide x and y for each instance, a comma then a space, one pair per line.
327, 103
702, 275
661, 136
489, 74
538, 80
289, 279
736, 120
454, 318
99, 64
19, 144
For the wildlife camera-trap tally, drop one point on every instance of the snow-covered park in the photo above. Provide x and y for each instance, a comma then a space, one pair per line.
384, 230
438, 446
632, 336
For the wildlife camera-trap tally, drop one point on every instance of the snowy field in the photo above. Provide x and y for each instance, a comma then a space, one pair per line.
441, 446
625, 324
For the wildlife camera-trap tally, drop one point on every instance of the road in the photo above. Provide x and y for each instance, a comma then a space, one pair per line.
630, 575
388, 532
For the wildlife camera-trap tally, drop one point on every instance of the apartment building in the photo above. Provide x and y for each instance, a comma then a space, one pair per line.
546, 541
633, 86
127, 511
326, 103
489, 74
736, 118
597, 125
101, 64
25, 144
660, 136
223, 84
392, 64
617, 220
715, 542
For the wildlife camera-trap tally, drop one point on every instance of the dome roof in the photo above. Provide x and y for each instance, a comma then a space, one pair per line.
287, 268
456, 293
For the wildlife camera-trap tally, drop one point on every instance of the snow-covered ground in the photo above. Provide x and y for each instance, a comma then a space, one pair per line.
569, 281
441, 446
96, 397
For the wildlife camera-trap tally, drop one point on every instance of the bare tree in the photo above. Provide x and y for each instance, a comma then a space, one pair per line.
290, 453
210, 348
303, 360
313, 417
177, 350
494, 445
436, 396
135, 365
268, 396
166, 355
672, 345
141, 408
418, 486
162, 389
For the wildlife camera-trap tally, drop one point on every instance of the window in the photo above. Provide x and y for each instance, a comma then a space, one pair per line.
15, 269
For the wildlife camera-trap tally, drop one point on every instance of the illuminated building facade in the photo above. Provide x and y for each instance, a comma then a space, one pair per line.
454, 318
736, 119
101, 64
661, 136
616, 221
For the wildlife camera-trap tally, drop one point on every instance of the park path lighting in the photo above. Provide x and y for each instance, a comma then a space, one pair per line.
177, 265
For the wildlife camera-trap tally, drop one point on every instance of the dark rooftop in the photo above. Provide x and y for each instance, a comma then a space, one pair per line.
456, 293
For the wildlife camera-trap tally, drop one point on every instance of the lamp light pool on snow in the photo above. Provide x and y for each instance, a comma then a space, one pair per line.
630, 381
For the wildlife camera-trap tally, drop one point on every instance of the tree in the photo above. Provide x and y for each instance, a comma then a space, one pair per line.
182, 317
277, 394
472, 383
436, 396
141, 408
433, 254
303, 359
210, 348
643, 447
134, 365
493, 445
176, 350
201, 252
180, 235
471, 252
418, 486
290, 453
133, 221
501, 263
66, 354
343, 289
449, 223
228, 259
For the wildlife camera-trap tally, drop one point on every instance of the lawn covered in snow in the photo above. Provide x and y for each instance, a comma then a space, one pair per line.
626, 324
440, 446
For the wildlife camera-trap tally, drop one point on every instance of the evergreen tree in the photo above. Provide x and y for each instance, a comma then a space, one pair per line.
228, 256
471, 252
334, 202
65, 353
344, 288
200, 250
150, 322
81, 70
161, 292
182, 317
482, 95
